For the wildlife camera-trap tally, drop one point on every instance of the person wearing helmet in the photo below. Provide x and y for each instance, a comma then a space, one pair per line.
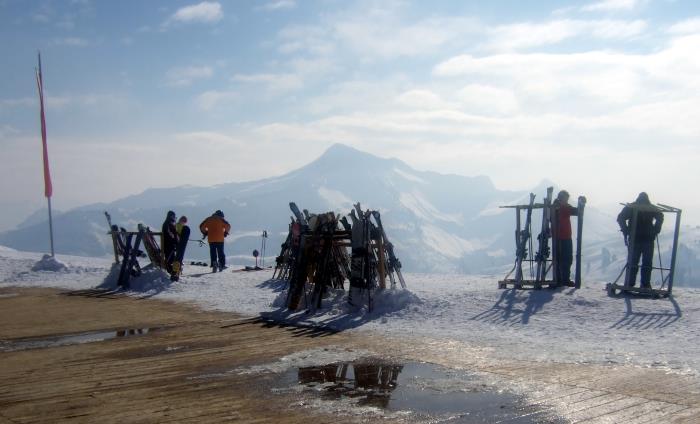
647, 227
215, 229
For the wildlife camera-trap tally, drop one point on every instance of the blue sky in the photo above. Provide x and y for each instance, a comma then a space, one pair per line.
599, 96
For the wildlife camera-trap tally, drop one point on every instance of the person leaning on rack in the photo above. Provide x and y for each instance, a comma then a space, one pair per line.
565, 246
649, 221
216, 228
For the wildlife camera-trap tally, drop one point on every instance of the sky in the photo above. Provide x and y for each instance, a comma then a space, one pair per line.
599, 96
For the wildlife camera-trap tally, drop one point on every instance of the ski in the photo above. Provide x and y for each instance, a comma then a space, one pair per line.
543, 251
394, 265
522, 236
299, 275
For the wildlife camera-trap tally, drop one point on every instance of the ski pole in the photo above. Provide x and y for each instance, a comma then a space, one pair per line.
661, 265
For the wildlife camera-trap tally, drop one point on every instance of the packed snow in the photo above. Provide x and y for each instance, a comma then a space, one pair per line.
563, 325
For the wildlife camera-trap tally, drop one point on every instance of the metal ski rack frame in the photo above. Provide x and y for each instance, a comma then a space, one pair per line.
540, 261
666, 281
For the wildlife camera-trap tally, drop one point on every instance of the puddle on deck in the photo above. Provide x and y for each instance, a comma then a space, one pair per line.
72, 339
417, 392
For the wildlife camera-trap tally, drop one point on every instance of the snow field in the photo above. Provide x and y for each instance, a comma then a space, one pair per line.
564, 325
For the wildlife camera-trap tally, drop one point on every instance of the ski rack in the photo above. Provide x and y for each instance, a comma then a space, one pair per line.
324, 251
540, 263
126, 244
667, 281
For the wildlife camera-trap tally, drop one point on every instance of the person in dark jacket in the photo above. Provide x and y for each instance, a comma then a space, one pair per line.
169, 234
648, 226
183, 235
215, 229
562, 233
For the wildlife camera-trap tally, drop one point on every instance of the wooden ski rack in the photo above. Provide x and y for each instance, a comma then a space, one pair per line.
316, 253
666, 284
126, 245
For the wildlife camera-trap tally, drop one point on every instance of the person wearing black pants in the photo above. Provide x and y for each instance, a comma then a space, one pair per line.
565, 246
648, 226
216, 228
170, 239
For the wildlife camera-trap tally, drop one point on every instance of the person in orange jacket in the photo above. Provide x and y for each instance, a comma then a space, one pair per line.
215, 229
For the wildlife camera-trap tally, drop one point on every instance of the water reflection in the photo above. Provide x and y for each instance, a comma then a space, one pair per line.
71, 339
428, 392
372, 384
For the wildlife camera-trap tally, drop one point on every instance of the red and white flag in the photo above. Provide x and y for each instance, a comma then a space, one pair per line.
48, 189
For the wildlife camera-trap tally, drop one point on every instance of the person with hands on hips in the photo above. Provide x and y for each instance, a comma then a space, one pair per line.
215, 228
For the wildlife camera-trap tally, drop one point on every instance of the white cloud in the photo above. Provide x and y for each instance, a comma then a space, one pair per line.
7, 131
70, 41
385, 37
599, 76
213, 98
421, 99
486, 99
528, 35
21, 102
274, 82
279, 5
58, 102
311, 39
377, 32
688, 26
204, 12
612, 5
207, 137
183, 76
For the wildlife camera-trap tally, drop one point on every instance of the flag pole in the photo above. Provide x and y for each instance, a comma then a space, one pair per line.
50, 227
48, 188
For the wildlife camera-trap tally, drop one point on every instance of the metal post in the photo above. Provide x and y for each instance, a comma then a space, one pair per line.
630, 249
579, 240
518, 262
674, 251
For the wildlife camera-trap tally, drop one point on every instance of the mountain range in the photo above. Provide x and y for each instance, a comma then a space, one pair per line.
437, 222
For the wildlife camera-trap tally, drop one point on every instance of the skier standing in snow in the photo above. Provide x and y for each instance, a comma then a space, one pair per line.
562, 232
648, 226
169, 234
216, 228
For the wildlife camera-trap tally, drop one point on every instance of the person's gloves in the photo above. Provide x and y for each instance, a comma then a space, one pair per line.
225, 233
204, 234
625, 234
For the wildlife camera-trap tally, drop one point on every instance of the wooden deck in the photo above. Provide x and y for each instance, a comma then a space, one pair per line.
157, 377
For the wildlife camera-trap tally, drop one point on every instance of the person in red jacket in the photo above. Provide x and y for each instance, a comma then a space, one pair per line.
562, 232
215, 229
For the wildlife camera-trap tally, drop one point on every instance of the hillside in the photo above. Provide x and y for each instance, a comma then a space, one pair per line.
438, 222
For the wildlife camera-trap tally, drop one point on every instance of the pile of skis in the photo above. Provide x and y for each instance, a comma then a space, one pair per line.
315, 257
